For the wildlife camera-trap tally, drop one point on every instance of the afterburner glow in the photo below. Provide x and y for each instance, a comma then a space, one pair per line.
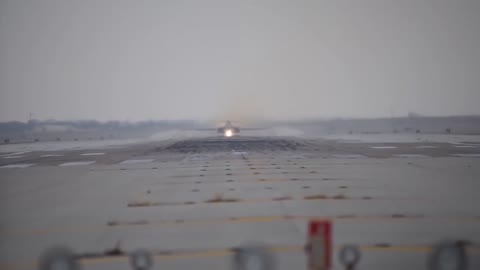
228, 133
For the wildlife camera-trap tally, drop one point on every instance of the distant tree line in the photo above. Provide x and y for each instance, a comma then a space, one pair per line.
18, 127
13, 127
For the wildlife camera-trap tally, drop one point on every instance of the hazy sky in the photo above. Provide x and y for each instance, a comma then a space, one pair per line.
133, 60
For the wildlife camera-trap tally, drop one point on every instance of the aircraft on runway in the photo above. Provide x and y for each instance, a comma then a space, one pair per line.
229, 130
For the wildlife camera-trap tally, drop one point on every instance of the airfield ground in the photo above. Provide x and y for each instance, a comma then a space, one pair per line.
190, 201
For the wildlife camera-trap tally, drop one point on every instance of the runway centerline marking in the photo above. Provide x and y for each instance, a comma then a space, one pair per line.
383, 147
93, 154
76, 163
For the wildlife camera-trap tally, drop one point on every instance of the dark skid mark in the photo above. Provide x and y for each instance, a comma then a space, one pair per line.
315, 197
150, 204
239, 145
222, 200
119, 223
283, 198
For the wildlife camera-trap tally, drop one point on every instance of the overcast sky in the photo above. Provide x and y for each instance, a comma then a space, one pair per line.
135, 60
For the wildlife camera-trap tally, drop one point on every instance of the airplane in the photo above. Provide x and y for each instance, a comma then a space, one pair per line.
229, 130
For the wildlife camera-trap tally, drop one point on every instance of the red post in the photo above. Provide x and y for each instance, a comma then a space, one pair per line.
319, 244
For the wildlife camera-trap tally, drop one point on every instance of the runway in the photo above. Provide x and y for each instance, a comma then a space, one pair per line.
191, 201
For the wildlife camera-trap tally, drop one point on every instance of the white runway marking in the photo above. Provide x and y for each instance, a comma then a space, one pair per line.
20, 165
467, 155
15, 155
12, 157
135, 161
195, 158
464, 146
349, 156
93, 154
52, 155
76, 163
426, 147
383, 147
18, 153
411, 156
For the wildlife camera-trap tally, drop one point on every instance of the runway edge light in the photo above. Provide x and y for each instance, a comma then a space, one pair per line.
319, 245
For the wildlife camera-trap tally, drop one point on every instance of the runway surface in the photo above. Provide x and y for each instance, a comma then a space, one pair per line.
191, 201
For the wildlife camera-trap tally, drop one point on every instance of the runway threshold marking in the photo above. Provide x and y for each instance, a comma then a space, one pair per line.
237, 220
312, 165
161, 255
19, 165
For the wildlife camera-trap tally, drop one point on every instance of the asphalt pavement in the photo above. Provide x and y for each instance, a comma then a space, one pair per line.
191, 201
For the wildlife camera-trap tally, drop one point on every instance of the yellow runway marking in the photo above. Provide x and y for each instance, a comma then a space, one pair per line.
233, 220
